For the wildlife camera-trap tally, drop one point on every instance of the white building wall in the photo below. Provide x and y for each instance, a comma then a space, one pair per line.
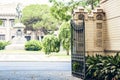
112, 32
7, 12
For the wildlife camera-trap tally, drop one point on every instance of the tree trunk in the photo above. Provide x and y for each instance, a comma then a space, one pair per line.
67, 52
92, 6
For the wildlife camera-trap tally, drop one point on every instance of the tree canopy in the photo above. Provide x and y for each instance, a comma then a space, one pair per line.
62, 10
38, 17
92, 3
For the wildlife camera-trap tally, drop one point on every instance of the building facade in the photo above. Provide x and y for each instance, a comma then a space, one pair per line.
112, 29
7, 16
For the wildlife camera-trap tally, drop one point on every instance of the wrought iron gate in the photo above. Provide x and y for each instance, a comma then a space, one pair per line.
78, 49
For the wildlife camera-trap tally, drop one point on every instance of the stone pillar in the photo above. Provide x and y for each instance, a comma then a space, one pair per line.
94, 29
99, 18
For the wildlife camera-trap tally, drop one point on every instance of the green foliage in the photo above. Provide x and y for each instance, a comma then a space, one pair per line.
51, 44
93, 3
37, 17
62, 10
3, 44
33, 45
1, 22
103, 67
64, 36
76, 66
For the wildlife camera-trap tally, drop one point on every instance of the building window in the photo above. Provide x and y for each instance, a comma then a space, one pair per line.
42, 37
99, 43
99, 35
3, 22
12, 22
99, 17
12, 37
28, 38
2, 37
99, 25
19, 32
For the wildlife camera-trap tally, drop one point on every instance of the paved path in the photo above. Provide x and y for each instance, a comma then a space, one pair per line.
36, 71
18, 56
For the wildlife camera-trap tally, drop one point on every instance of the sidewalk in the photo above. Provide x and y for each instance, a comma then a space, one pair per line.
21, 56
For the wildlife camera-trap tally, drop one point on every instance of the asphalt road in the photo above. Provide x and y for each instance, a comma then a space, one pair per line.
36, 71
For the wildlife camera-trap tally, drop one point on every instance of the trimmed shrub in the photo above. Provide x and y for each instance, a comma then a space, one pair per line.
3, 44
33, 45
51, 44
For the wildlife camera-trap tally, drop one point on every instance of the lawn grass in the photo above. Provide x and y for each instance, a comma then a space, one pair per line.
61, 54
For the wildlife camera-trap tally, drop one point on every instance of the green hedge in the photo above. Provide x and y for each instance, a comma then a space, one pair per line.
51, 44
3, 44
103, 67
33, 45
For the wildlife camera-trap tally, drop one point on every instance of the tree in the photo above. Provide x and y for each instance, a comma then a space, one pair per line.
93, 3
64, 36
37, 17
62, 10
59, 10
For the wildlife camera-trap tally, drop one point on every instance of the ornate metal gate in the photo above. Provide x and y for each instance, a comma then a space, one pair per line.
78, 49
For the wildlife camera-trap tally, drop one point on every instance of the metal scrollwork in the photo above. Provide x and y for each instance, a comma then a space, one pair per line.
81, 17
77, 27
99, 17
